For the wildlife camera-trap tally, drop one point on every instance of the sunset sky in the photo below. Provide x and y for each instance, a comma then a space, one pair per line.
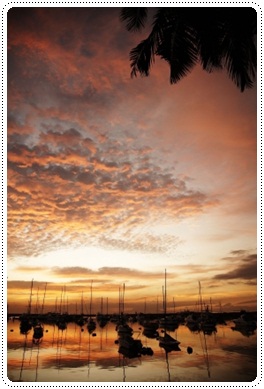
112, 180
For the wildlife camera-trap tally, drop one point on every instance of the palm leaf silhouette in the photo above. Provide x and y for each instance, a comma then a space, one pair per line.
216, 37
135, 17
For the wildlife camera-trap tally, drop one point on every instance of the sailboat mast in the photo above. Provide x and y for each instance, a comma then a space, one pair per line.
82, 304
165, 294
43, 301
119, 301
101, 310
200, 296
91, 295
30, 298
37, 302
123, 298
163, 299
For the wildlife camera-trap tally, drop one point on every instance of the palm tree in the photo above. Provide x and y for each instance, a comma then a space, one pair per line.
215, 37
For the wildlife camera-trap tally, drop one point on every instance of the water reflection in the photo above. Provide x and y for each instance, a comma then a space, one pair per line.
23, 357
203, 341
73, 354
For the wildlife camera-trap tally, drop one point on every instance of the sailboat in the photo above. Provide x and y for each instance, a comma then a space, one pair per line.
207, 322
122, 327
38, 333
101, 318
91, 324
25, 318
128, 346
246, 324
166, 341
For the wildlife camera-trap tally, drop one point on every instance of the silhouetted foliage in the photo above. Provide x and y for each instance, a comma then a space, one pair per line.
217, 37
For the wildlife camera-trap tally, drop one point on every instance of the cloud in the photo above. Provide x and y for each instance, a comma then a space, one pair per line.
108, 272
245, 269
18, 285
30, 269
67, 179
143, 243
238, 252
73, 271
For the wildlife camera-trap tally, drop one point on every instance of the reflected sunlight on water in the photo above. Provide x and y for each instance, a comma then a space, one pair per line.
74, 355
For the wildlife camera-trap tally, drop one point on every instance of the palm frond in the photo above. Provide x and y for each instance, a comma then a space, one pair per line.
239, 48
209, 36
181, 61
135, 17
142, 57
239, 63
178, 47
218, 37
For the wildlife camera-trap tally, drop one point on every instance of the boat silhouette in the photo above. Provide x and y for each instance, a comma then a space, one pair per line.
166, 341
38, 332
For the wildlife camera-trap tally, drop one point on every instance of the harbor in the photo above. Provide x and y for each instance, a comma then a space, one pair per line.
74, 354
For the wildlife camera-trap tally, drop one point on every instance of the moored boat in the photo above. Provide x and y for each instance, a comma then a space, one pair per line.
91, 325
132, 348
124, 329
168, 343
38, 333
25, 324
246, 322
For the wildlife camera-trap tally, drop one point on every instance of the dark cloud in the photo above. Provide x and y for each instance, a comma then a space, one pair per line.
250, 257
86, 51
245, 270
54, 72
67, 40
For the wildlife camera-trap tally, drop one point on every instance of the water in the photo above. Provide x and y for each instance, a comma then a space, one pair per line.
73, 355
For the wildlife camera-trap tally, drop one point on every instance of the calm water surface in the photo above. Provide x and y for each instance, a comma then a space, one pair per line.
73, 355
